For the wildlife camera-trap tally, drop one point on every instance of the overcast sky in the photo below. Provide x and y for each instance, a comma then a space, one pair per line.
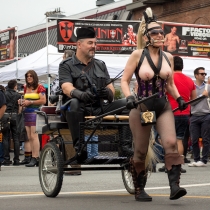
28, 13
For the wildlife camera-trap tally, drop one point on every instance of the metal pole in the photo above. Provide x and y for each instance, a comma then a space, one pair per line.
121, 108
48, 71
16, 52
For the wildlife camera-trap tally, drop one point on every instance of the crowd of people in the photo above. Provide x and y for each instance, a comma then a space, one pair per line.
88, 90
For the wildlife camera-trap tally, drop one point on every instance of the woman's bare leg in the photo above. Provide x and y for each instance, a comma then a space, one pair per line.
34, 140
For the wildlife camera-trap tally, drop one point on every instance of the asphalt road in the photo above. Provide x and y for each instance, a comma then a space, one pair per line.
100, 190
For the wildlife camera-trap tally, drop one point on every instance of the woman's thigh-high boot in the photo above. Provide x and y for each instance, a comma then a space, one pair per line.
139, 180
173, 163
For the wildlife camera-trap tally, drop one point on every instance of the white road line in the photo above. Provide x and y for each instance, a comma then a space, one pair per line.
98, 191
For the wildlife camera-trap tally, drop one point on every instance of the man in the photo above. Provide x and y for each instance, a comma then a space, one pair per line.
12, 108
186, 88
69, 150
200, 120
171, 40
2, 107
2, 103
85, 80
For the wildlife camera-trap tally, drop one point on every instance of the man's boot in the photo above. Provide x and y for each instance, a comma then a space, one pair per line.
173, 163
74, 118
139, 180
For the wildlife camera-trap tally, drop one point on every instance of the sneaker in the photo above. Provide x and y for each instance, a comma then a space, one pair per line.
200, 164
192, 164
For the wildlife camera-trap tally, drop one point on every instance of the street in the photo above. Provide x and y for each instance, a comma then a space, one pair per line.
100, 190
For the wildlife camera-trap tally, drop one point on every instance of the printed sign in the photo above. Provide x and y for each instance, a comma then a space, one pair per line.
7, 44
113, 37
187, 40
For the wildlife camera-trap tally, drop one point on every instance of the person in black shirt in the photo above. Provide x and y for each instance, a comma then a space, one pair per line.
86, 81
12, 108
2, 110
2, 103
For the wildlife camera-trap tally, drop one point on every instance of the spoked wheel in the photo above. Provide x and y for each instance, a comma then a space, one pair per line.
128, 181
51, 170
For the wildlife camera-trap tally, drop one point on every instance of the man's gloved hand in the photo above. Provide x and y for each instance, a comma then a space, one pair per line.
86, 97
130, 102
105, 93
182, 104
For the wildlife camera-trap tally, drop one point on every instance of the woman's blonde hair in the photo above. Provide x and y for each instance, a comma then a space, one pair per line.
142, 29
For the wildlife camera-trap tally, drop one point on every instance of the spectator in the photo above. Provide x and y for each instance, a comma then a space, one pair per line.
12, 98
34, 97
2, 102
186, 88
2, 110
200, 120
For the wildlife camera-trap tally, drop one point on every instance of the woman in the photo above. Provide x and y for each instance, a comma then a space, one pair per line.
154, 73
34, 97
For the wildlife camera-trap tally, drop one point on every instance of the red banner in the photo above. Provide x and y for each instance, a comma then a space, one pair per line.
7, 44
113, 37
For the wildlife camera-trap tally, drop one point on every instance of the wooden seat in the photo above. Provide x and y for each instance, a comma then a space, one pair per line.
55, 124
110, 117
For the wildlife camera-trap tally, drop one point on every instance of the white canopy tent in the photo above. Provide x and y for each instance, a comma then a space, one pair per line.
115, 64
36, 61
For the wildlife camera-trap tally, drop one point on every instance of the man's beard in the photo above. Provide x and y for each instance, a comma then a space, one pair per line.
91, 54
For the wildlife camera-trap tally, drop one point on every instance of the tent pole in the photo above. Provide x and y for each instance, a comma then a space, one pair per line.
16, 53
48, 71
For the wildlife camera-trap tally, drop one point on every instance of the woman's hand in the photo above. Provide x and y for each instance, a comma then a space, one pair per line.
20, 102
26, 103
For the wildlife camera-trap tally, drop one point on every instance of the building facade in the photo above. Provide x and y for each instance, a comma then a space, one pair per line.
179, 11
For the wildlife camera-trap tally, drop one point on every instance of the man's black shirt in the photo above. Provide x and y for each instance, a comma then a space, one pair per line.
12, 100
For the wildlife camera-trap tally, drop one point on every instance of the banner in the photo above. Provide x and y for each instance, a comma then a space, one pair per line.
7, 44
113, 37
187, 39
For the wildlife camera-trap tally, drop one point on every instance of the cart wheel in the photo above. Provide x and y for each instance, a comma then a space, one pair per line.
128, 181
51, 170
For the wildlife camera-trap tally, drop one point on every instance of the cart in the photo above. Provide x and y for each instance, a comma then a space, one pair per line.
113, 134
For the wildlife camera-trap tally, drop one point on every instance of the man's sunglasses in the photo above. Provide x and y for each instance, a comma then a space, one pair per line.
203, 74
155, 32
